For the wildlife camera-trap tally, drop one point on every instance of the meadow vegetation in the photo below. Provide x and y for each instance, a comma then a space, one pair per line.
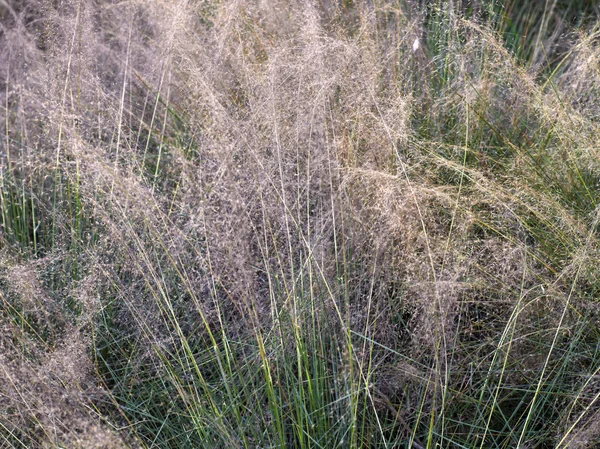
316, 224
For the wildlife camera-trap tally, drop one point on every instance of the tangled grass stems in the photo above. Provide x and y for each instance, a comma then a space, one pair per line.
233, 224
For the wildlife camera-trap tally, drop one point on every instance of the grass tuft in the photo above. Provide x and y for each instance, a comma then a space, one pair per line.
336, 224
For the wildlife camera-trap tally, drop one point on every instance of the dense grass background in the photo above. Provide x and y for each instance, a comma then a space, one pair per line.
256, 224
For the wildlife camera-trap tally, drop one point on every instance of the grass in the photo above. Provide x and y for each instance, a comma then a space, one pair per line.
233, 224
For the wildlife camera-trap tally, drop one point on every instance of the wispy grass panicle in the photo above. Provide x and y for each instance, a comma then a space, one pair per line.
279, 224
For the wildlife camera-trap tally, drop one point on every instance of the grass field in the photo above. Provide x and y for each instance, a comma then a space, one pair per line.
281, 224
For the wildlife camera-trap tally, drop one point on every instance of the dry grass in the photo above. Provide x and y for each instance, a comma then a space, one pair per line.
275, 224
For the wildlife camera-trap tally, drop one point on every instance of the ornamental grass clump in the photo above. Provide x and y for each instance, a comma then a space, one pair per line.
283, 224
